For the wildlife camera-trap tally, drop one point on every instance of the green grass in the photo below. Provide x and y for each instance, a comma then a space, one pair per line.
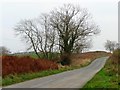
103, 80
107, 77
33, 55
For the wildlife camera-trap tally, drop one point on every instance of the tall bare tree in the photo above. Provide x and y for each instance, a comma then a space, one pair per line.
71, 24
29, 33
67, 28
37, 35
49, 35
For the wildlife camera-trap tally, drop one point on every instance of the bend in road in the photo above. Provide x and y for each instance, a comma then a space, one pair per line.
69, 79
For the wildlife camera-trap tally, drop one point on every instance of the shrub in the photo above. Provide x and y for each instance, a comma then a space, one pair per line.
114, 62
115, 58
26, 64
65, 59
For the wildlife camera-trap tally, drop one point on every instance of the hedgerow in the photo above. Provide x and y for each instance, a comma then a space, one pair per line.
18, 65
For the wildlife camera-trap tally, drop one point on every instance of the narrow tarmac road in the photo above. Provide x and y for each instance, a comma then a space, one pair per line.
70, 79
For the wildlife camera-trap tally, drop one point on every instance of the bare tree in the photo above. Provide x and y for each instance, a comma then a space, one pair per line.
29, 33
110, 45
37, 34
71, 24
49, 35
82, 45
66, 29
117, 45
4, 50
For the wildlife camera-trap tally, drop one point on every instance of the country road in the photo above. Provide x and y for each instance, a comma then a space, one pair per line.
69, 79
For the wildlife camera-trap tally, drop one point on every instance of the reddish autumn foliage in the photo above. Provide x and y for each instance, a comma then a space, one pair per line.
18, 65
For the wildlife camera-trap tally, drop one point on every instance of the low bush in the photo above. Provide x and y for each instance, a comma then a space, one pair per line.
26, 64
114, 62
65, 59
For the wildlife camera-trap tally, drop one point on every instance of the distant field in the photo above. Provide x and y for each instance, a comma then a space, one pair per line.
33, 55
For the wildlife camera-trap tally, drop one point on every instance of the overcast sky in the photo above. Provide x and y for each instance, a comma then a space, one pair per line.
104, 13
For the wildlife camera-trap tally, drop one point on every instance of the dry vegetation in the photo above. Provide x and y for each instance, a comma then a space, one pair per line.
17, 69
85, 58
19, 65
26, 64
113, 62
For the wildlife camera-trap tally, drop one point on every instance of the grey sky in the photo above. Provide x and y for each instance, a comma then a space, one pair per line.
104, 13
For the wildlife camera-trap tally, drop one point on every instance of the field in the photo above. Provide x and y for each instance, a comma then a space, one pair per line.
33, 55
20, 68
108, 76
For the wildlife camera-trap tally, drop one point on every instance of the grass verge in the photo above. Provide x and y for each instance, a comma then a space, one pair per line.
103, 80
108, 76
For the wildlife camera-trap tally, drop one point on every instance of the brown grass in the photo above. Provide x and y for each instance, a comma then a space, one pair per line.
85, 58
114, 61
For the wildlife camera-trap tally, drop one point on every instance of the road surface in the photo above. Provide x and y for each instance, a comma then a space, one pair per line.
69, 79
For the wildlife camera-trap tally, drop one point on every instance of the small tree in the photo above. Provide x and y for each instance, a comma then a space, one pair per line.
117, 45
4, 50
110, 45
